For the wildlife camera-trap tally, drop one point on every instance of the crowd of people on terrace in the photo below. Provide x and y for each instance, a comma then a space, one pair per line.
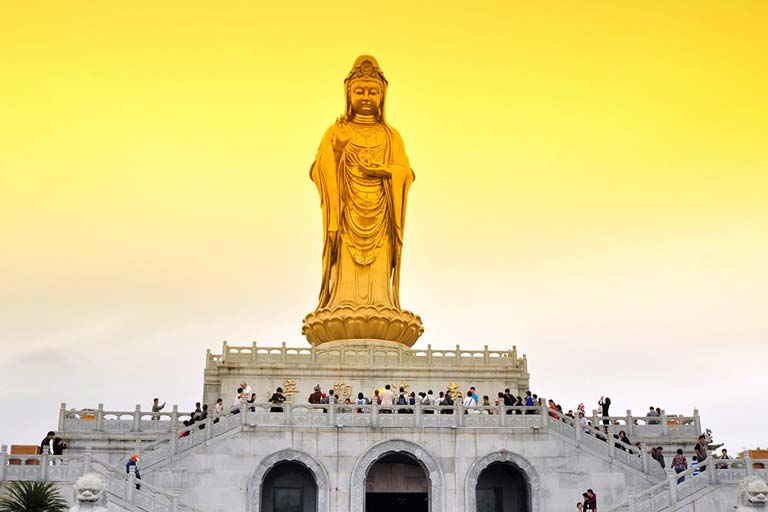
398, 400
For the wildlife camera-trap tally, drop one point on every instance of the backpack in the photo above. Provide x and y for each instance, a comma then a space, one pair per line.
401, 400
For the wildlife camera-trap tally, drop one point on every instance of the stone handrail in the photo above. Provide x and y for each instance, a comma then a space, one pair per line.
354, 355
597, 440
68, 468
525, 419
102, 420
678, 486
651, 426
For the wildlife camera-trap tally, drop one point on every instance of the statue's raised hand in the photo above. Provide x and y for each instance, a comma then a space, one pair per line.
343, 134
373, 170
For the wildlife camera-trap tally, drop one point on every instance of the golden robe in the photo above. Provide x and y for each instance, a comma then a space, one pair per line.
363, 217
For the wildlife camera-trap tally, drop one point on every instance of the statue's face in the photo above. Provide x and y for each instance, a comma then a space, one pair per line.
365, 97
89, 488
758, 492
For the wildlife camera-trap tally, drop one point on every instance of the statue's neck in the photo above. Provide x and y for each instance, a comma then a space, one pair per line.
364, 119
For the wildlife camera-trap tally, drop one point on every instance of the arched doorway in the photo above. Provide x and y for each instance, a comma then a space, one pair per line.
289, 487
502, 487
397, 481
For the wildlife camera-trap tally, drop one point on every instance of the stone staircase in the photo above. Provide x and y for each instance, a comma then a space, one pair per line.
678, 491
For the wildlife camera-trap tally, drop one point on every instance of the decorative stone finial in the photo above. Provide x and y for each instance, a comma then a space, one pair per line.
752, 495
90, 494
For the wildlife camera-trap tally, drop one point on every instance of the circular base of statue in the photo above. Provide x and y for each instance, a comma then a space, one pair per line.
362, 322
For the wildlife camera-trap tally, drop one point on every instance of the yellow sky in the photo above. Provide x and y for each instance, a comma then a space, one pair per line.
590, 175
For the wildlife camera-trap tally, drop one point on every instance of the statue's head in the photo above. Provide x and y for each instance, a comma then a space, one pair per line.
365, 88
90, 488
753, 493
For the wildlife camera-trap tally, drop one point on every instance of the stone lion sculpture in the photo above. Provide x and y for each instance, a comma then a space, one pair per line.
752, 495
90, 494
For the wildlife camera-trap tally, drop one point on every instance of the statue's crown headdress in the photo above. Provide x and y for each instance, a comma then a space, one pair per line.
366, 68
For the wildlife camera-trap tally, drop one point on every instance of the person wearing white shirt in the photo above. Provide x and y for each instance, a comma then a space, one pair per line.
470, 403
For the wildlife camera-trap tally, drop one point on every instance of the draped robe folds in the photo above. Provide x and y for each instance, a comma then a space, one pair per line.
363, 221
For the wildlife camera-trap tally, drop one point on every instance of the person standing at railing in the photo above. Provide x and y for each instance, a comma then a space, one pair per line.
59, 445
277, 400
659, 456
679, 464
509, 400
605, 404
316, 397
652, 414
156, 408
133, 462
701, 449
237, 403
46, 445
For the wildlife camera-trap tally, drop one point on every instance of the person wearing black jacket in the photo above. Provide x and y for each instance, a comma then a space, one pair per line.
277, 399
447, 400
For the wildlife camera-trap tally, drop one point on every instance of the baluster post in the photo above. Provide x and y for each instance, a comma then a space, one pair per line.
224, 351
87, 459
374, 415
502, 414
100, 418
595, 421
544, 413
44, 467
254, 347
611, 446
486, 355
62, 416
664, 423
175, 501
130, 489
429, 353
630, 423
697, 422
283, 353
712, 470
331, 413
173, 440
208, 427
748, 463
672, 481
288, 413
459, 413
644, 457
578, 431
632, 502
137, 418
417, 414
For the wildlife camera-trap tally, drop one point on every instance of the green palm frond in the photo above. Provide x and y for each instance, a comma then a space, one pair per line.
32, 497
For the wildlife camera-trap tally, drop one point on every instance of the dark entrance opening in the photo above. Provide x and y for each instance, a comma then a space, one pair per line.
289, 487
502, 487
397, 482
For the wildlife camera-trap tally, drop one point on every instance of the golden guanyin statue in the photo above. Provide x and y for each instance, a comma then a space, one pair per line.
362, 174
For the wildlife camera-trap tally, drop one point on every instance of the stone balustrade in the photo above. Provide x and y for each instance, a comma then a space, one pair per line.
121, 486
371, 355
342, 416
651, 427
102, 420
678, 486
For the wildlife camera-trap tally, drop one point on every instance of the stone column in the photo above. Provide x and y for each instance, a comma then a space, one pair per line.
137, 418
644, 458
630, 423
697, 422
62, 417
3, 460
100, 418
